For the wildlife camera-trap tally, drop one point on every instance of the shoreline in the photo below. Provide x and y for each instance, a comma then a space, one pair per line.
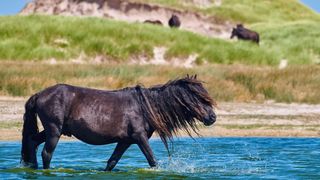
63, 140
234, 120
213, 132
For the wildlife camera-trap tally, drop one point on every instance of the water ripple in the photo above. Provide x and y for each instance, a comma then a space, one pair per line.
218, 158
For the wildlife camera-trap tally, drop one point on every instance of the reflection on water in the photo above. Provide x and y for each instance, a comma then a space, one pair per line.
225, 158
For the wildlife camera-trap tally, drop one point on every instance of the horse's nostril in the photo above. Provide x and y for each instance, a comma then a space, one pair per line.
213, 116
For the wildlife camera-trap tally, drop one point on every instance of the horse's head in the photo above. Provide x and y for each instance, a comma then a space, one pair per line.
240, 26
208, 116
177, 105
233, 33
174, 16
201, 103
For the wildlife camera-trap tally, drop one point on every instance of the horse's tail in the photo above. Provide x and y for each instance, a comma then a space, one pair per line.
30, 126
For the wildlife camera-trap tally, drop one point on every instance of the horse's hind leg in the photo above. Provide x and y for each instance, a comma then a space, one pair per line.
34, 142
52, 137
116, 155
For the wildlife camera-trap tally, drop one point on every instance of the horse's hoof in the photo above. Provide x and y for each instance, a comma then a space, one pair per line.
29, 165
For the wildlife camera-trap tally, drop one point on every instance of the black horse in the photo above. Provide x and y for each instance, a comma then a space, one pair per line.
174, 21
245, 34
127, 116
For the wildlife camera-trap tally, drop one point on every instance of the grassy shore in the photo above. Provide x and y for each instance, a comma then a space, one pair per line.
225, 82
24, 38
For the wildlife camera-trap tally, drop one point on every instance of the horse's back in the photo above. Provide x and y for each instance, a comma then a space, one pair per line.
56, 97
248, 34
73, 99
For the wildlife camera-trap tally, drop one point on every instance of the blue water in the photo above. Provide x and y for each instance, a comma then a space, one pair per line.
203, 158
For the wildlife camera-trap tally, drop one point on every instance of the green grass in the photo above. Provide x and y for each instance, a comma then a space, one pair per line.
288, 31
35, 38
296, 41
224, 83
248, 11
10, 124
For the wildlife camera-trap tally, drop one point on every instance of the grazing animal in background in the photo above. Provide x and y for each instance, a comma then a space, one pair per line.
125, 116
156, 22
245, 34
174, 21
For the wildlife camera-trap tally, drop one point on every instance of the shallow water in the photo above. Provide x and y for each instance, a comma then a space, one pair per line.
218, 158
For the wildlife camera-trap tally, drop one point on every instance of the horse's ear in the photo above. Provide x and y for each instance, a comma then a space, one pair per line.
195, 76
188, 76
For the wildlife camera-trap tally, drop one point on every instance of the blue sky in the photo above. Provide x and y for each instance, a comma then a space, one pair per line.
10, 7
314, 4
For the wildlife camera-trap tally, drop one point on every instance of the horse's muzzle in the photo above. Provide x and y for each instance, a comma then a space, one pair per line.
209, 120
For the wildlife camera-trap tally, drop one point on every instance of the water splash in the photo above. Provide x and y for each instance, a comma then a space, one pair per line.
185, 159
177, 165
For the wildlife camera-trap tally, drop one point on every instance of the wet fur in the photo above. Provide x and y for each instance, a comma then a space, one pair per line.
126, 116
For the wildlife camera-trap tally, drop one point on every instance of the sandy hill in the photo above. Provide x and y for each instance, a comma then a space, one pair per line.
132, 12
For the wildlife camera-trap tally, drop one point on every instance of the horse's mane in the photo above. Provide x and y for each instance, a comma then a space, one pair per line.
173, 106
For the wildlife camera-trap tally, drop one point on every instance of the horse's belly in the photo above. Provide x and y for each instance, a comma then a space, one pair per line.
94, 133
94, 139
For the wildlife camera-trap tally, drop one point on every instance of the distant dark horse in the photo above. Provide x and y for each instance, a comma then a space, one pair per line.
155, 22
127, 116
174, 21
245, 34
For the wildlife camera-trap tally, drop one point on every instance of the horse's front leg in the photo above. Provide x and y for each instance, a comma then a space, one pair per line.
144, 146
116, 155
